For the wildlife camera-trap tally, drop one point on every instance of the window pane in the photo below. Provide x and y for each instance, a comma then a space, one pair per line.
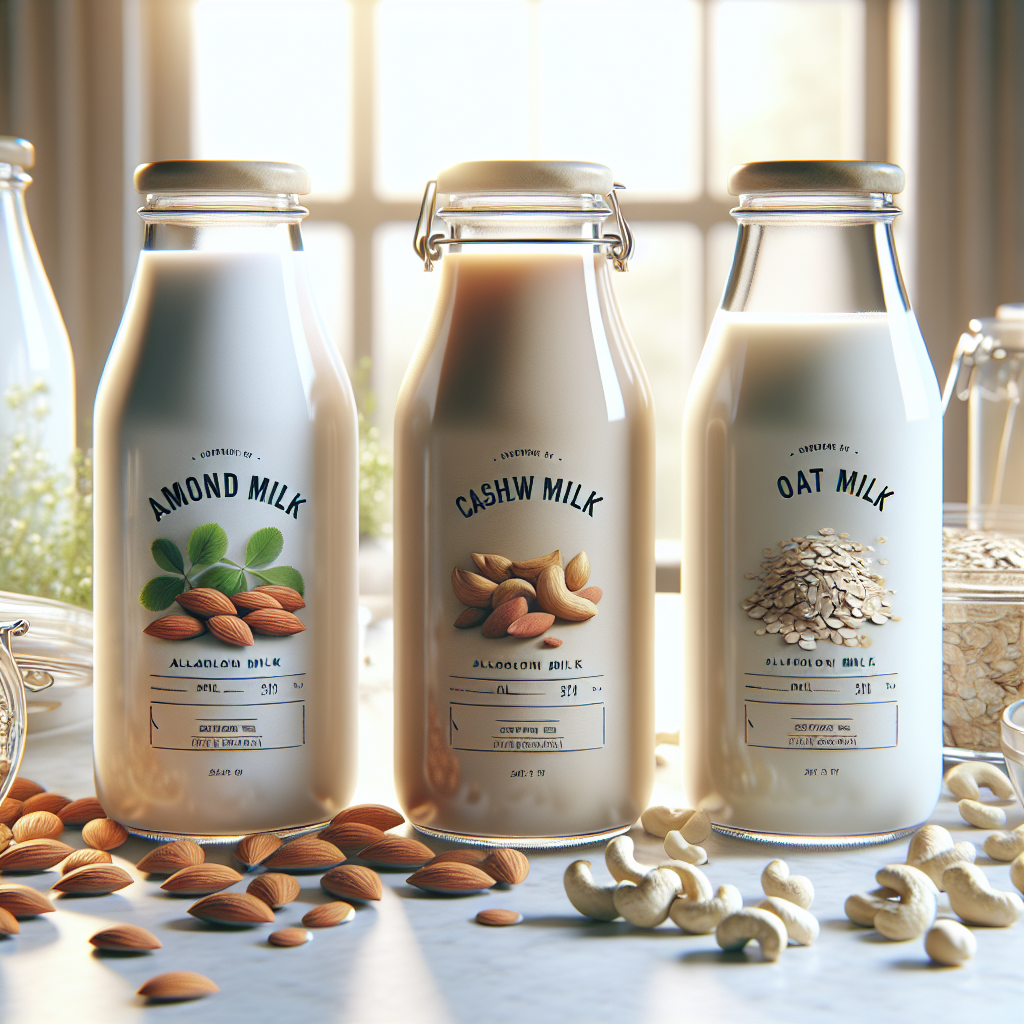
329, 254
271, 82
787, 82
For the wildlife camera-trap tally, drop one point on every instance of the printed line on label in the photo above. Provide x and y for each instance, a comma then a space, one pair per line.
804, 675
229, 679
174, 689
489, 679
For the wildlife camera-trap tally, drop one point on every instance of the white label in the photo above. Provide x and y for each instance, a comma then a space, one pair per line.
526, 727
821, 726
227, 726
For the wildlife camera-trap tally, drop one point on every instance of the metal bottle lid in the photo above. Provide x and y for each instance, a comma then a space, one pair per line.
229, 176
575, 176
19, 152
816, 176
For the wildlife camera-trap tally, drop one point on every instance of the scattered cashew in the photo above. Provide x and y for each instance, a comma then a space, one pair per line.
679, 849
981, 815
698, 917
777, 881
622, 865
966, 780
1017, 872
659, 820
974, 900
932, 850
949, 943
697, 827
646, 904
696, 886
739, 928
801, 925
1005, 845
914, 913
589, 898
861, 907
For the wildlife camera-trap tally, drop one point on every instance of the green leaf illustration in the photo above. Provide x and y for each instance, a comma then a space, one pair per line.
282, 574
223, 578
160, 592
264, 546
207, 544
167, 556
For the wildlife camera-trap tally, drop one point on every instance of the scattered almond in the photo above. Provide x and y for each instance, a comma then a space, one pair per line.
80, 858
460, 856
237, 909
509, 866
379, 815
396, 852
289, 937
37, 825
24, 901
22, 789
80, 812
230, 629
171, 857
93, 880
201, 880
255, 849
353, 882
250, 600
307, 853
451, 878
8, 923
351, 835
552, 641
52, 802
104, 834
34, 855
177, 985
290, 600
498, 917
577, 572
274, 889
6, 837
175, 627
327, 915
10, 811
125, 938
274, 622
205, 602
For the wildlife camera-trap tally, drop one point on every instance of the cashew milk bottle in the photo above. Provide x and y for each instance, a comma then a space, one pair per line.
226, 521
524, 564
812, 523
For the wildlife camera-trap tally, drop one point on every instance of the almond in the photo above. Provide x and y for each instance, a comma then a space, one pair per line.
80, 858
577, 572
353, 882
290, 600
22, 789
531, 568
177, 985
274, 622
81, 812
255, 849
6, 837
175, 627
104, 834
514, 587
201, 880
10, 811
591, 594
171, 857
531, 625
327, 915
461, 856
289, 937
238, 909
52, 802
471, 617
250, 600
498, 917
508, 866
379, 815
8, 923
93, 880
396, 852
37, 825
307, 853
34, 855
125, 938
451, 878
24, 901
552, 641
351, 835
496, 568
503, 616
471, 589
555, 597
274, 889
230, 629
206, 602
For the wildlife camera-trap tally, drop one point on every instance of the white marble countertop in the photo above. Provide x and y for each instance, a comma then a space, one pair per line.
416, 958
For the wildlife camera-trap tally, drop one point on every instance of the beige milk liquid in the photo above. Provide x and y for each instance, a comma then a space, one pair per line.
221, 367
834, 741
526, 377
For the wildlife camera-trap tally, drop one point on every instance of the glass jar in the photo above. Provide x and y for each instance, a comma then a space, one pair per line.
226, 521
811, 527
524, 520
1012, 743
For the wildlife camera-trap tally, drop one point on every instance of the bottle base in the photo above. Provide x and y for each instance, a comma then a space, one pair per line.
523, 842
203, 840
814, 842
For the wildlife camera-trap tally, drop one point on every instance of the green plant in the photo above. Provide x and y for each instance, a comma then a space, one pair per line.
374, 462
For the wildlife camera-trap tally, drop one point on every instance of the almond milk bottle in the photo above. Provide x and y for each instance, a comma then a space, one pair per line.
226, 521
524, 562
812, 523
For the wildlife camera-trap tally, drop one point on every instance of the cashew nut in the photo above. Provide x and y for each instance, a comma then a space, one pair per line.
679, 849
914, 913
698, 917
975, 901
589, 898
932, 850
736, 930
981, 815
861, 907
949, 943
623, 867
777, 881
1005, 845
696, 886
659, 820
646, 904
1017, 872
966, 780
801, 925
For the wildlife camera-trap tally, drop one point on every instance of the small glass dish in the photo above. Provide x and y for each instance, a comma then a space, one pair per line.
1011, 739
13, 711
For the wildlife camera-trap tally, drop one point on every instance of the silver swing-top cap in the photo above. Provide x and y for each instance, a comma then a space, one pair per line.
575, 176
230, 176
19, 152
816, 176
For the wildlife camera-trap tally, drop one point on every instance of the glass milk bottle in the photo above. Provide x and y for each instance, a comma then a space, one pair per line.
812, 523
226, 521
524, 511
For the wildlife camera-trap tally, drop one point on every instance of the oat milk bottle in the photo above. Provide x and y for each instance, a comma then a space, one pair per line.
812, 523
226, 521
524, 562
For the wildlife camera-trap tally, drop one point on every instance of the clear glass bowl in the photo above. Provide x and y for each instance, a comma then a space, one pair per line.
12, 706
1011, 735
